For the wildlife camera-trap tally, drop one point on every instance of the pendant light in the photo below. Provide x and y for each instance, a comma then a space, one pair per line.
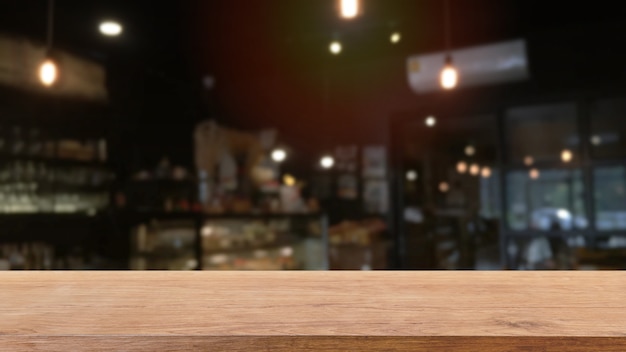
49, 69
449, 76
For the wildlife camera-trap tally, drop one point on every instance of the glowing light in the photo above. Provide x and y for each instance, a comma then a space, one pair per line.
411, 175
474, 169
111, 28
335, 48
431, 121
461, 167
566, 156
444, 187
485, 172
207, 231
596, 140
470, 150
349, 8
279, 155
48, 73
286, 252
449, 77
534, 174
327, 162
395, 37
289, 180
528, 160
562, 214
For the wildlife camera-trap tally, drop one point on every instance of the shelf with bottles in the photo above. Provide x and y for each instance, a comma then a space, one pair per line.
44, 256
240, 242
32, 144
38, 187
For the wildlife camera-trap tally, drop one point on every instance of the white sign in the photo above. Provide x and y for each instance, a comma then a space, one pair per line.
481, 65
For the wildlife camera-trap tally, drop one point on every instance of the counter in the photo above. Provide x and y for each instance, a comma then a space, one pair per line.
321, 311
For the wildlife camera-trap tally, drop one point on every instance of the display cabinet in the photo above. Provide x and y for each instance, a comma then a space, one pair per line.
230, 242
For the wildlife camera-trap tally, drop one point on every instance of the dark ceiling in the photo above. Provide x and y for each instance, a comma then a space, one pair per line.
270, 58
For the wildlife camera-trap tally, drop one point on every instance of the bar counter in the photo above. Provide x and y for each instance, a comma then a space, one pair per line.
312, 311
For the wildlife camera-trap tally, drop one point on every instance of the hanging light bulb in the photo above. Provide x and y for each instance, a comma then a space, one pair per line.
449, 76
349, 8
335, 47
48, 72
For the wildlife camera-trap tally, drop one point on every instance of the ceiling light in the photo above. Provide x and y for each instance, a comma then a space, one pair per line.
349, 8
48, 72
279, 155
395, 37
327, 162
449, 77
566, 156
111, 28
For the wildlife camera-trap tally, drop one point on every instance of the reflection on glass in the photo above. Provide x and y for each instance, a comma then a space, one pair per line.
608, 128
610, 198
552, 202
542, 132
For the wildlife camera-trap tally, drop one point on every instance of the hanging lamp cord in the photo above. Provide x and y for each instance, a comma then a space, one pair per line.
50, 34
447, 25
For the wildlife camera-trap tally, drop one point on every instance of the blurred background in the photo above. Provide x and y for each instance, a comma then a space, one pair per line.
312, 135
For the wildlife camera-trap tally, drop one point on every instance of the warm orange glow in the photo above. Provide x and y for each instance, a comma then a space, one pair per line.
449, 77
461, 167
485, 172
48, 73
474, 169
444, 187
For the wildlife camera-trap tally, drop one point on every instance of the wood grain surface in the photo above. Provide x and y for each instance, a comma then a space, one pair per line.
313, 311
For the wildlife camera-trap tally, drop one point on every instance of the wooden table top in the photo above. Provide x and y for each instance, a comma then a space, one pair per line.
321, 311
